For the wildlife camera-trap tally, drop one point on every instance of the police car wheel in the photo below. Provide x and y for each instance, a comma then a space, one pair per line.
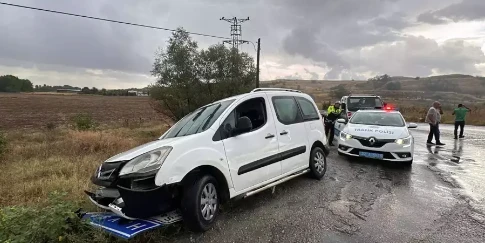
409, 163
200, 203
318, 163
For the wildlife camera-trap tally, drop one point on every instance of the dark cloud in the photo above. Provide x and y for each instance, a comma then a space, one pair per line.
430, 18
63, 40
465, 10
348, 38
420, 56
321, 30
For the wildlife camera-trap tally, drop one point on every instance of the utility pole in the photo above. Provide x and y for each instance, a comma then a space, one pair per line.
257, 63
236, 31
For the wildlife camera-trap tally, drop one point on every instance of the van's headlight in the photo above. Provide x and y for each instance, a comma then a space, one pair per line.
404, 141
345, 136
146, 162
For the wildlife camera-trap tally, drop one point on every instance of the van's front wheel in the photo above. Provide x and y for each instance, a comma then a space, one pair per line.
318, 163
200, 203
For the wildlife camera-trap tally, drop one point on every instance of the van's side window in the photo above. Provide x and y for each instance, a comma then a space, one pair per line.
308, 109
287, 110
254, 109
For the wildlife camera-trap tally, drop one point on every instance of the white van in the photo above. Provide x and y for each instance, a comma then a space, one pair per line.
231, 148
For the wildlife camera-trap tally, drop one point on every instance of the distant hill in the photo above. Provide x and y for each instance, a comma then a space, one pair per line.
456, 87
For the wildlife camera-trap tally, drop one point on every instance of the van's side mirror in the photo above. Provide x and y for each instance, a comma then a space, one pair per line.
412, 125
243, 125
343, 106
341, 120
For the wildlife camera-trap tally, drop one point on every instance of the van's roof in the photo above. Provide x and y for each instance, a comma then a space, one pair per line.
272, 91
362, 95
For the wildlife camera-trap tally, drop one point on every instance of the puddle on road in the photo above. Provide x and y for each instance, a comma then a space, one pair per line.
460, 162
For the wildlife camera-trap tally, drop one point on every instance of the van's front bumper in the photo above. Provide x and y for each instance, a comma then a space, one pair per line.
135, 203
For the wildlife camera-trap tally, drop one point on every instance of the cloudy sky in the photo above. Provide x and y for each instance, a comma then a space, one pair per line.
307, 39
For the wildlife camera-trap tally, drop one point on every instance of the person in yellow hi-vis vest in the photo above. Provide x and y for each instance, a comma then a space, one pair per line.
333, 113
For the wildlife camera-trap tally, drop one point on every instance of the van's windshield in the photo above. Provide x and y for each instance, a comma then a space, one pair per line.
199, 120
361, 103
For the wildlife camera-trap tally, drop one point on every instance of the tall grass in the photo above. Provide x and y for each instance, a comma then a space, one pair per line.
37, 163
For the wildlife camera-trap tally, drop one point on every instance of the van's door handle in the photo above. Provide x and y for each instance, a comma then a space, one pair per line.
269, 136
283, 132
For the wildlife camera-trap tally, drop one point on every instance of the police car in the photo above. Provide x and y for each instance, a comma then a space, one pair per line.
377, 134
231, 148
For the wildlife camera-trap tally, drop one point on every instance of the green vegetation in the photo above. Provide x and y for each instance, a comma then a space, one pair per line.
48, 88
84, 122
379, 81
55, 222
3, 143
394, 85
338, 91
10, 83
189, 78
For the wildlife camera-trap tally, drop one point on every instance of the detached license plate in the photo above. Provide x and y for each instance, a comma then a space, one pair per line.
371, 155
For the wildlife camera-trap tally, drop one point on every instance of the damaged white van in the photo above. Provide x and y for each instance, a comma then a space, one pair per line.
231, 148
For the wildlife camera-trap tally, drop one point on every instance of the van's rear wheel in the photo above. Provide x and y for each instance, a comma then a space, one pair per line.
318, 163
200, 203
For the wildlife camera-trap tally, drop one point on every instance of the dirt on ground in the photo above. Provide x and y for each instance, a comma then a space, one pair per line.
22, 110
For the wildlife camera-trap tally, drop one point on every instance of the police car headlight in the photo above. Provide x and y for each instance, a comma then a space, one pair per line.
147, 162
404, 141
345, 136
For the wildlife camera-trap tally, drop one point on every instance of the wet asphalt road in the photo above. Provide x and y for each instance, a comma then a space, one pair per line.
439, 199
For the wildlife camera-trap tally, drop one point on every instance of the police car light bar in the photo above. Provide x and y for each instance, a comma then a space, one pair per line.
390, 108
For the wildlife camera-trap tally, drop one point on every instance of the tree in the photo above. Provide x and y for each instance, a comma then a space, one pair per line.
338, 91
85, 90
188, 78
10, 83
395, 85
379, 81
94, 90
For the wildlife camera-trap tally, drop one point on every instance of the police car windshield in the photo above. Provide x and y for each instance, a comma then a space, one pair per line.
199, 120
358, 103
378, 119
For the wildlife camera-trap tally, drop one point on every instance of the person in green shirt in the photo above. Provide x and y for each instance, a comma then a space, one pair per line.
460, 114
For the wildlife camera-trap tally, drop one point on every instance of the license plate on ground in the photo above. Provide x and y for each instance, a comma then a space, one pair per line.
127, 229
371, 155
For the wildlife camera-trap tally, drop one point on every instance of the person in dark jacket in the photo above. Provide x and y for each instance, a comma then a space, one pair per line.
333, 113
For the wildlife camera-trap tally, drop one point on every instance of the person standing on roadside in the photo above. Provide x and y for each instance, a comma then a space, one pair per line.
460, 114
433, 118
333, 114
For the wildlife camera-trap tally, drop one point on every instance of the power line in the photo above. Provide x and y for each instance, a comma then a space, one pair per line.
110, 20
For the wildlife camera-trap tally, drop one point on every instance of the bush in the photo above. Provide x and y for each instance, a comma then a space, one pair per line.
50, 126
395, 85
52, 223
3, 143
84, 122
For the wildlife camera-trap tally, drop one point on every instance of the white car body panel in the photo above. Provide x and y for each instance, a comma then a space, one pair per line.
230, 154
250, 147
387, 134
181, 160
291, 138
